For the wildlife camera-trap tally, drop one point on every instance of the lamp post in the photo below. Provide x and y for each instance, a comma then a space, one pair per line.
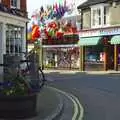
40, 52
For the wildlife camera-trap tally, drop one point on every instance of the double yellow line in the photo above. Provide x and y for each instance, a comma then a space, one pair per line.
78, 108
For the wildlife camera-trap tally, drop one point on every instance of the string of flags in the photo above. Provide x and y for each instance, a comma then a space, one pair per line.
47, 20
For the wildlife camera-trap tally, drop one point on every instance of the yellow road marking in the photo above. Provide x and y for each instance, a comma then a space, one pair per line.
75, 102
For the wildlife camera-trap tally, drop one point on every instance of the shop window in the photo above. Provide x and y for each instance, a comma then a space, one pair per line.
106, 15
14, 39
94, 54
99, 16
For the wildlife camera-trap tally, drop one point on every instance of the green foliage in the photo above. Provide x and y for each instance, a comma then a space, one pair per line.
16, 86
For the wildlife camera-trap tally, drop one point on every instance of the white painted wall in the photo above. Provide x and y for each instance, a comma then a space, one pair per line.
0, 42
2, 45
13, 20
24, 40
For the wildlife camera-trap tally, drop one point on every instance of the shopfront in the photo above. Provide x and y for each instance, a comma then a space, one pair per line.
116, 42
61, 56
61, 52
100, 49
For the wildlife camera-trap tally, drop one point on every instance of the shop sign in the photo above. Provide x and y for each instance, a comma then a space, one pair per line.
100, 32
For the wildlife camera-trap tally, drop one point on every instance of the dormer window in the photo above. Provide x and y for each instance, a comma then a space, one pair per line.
99, 15
15, 4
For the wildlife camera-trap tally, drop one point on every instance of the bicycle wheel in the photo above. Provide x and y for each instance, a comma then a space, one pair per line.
41, 77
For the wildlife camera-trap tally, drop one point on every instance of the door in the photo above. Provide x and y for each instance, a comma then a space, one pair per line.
111, 57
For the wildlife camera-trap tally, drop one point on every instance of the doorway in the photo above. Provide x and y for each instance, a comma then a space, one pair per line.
110, 57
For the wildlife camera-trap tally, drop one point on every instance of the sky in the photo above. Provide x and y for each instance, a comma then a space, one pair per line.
32, 5
36, 4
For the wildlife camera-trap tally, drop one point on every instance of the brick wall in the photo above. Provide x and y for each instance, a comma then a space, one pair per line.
22, 4
6, 2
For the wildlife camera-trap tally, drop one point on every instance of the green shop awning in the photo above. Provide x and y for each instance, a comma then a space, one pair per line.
115, 39
86, 41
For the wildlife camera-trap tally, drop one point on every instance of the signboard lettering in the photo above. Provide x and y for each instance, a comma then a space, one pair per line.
100, 32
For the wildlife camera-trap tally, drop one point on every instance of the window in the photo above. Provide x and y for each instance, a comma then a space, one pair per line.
106, 15
99, 16
94, 54
13, 39
96, 17
15, 3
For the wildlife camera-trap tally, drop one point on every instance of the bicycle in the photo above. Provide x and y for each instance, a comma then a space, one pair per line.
32, 72
31, 75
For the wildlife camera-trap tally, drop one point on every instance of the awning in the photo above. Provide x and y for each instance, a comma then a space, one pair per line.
115, 39
86, 41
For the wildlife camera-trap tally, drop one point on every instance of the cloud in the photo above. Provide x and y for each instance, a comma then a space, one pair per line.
32, 5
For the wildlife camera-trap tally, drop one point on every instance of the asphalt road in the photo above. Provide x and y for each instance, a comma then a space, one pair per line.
99, 94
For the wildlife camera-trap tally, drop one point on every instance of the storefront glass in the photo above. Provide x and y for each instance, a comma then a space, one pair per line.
61, 58
94, 54
94, 57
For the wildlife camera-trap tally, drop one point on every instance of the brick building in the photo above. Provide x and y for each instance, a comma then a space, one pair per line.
20, 4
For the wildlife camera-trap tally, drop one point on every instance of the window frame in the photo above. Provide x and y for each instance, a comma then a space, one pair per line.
100, 7
17, 4
14, 39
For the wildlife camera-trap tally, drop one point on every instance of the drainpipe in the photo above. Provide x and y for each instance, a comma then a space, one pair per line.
115, 57
82, 48
26, 38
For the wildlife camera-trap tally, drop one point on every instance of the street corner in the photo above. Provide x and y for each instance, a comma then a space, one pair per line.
49, 105
58, 108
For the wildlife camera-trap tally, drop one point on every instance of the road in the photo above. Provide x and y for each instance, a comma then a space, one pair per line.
99, 94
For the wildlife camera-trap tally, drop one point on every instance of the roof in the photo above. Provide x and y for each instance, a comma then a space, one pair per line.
93, 2
12, 11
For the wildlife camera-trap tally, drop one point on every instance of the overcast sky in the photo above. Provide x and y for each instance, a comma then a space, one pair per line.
36, 4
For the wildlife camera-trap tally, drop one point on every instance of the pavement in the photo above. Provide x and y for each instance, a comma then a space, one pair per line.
85, 72
49, 105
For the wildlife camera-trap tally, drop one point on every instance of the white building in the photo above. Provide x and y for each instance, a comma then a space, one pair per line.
13, 23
